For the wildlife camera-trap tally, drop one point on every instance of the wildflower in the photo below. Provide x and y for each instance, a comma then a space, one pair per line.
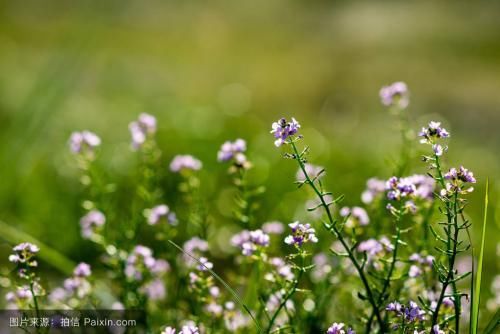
436, 330
337, 328
233, 151
24, 254
314, 172
282, 129
322, 267
91, 223
214, 309
189, 329
414, 271
161, 212
458, 179
283, 270
154, 290
357, 216
273, 228
394, 307
194, 247
374, 187
301, 233
84, 142
250, 241
142, 128
185, 162
139, 262
438, 149
432, 132
205, 264
396, 94
168, 330
82, 270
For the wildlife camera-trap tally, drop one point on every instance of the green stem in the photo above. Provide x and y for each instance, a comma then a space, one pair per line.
346, 247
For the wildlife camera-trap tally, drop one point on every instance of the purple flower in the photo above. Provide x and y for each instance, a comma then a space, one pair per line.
142, 128
301, 233
83, 142
413, 313
232, 150
185, 162
273, 227
337, 328
205, 264
374, 187
284, 270
24, 253
463, 174
91, 222
250, 241
438, 149
394, 307
82, 270
139, 262
168, 330
154, 290
436, 330
396, 94
189, 329
282, 129
414, 271
357, 216
432, 132
161, 212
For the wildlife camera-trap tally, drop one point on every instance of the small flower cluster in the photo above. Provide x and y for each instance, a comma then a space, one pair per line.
395, 95
84, 142
407, 190
234, 151
91, 224
282, 130
301, 234
411, 313
338, 328
74, 290
250, 242
142, 129
374, 187
24, 255
431, 134
142, 267
182, 163
282, 270
355, 216
195, 247
419, 262
457, 181
375, 249
161, 213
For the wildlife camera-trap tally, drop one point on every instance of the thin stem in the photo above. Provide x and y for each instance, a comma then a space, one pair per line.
346, 247
35, 301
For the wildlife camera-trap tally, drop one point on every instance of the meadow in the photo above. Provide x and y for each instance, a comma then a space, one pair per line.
228, 172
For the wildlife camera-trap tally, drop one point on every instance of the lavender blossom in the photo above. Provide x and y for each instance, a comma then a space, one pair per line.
154, 290
432, 132
168, 330
84, 142
337, 328
457, 181
24, 254
142, 128
139, 262
357, 216
205, 265
185, 162
395, 95
82, 270
91, 223
301, 233
232, 150
250, 241
374, 187
282, 129
273, 227
161, 213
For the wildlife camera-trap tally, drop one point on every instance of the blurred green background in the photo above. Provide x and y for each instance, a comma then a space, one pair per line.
218, 70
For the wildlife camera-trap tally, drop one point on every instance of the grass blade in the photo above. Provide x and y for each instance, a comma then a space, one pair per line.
221, 281
477, 289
